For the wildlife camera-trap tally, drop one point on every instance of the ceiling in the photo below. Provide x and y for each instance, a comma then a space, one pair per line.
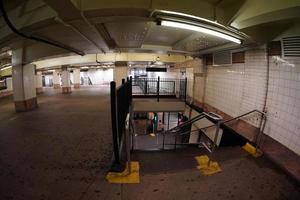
104, 26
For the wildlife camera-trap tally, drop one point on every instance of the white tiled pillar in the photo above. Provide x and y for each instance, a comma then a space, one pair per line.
76, 78
23, 82
65, 79
120, 72
39, 82
56, 79
9, 84
190, 83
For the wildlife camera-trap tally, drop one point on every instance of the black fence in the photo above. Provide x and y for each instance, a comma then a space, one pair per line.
121, 98
160, 87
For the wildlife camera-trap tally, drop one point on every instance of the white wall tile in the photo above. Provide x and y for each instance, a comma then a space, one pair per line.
240, 88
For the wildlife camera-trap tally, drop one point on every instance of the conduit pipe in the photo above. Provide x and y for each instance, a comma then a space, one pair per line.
30, 37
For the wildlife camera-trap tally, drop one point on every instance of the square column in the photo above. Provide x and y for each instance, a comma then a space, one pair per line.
39, 82
23, 83
56, 80
76, 78
120, 72
65, 79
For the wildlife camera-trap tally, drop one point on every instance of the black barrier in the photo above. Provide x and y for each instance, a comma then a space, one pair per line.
159, 88
183, 89
120, 98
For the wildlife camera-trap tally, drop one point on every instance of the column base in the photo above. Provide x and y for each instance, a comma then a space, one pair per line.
56, 86
76, 85
39, 90
26, 105
66, 90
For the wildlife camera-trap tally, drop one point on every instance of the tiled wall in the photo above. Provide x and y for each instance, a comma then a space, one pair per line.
240, 88
199, 82
283, 103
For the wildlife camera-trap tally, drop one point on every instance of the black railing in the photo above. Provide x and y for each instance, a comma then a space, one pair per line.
90, 81
121, 98
159, 87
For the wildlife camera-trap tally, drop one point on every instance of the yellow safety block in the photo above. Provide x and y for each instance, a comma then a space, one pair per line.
202, 160
125, 176
252, 150
206, 166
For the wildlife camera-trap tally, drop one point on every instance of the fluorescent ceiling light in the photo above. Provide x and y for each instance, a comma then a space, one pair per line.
187, 15
4, 68
200, 29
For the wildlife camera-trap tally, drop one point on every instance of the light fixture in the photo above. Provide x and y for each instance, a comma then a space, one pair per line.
4, 68
200, 29
186, 15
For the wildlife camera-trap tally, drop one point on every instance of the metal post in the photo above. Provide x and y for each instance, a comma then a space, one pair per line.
163, 140
168, 120
127, 141
185, 89
216, 135
146, 86
175, 141
130, 88
174, 88
146, 129
158, 80
123, 81
117, 167
259, 137
260, 127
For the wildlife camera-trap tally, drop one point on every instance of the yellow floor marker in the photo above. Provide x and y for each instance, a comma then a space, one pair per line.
252, 150
206, 166
125, 177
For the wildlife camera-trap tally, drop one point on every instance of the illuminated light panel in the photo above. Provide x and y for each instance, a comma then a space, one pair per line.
200, 29
4, 68
187, 15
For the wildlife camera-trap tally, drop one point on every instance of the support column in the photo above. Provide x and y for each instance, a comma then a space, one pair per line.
76, 78
120, 72
39, 83
65, 79
23, 83
56, 80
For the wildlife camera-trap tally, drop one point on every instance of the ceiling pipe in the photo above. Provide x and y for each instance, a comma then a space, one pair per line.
30, 37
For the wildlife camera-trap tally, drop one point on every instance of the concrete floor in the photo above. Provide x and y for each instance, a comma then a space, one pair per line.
62, 150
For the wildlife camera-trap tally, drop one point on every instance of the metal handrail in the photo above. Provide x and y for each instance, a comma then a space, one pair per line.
258, 138
198, 117
210, 126
235, 118
252, 111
